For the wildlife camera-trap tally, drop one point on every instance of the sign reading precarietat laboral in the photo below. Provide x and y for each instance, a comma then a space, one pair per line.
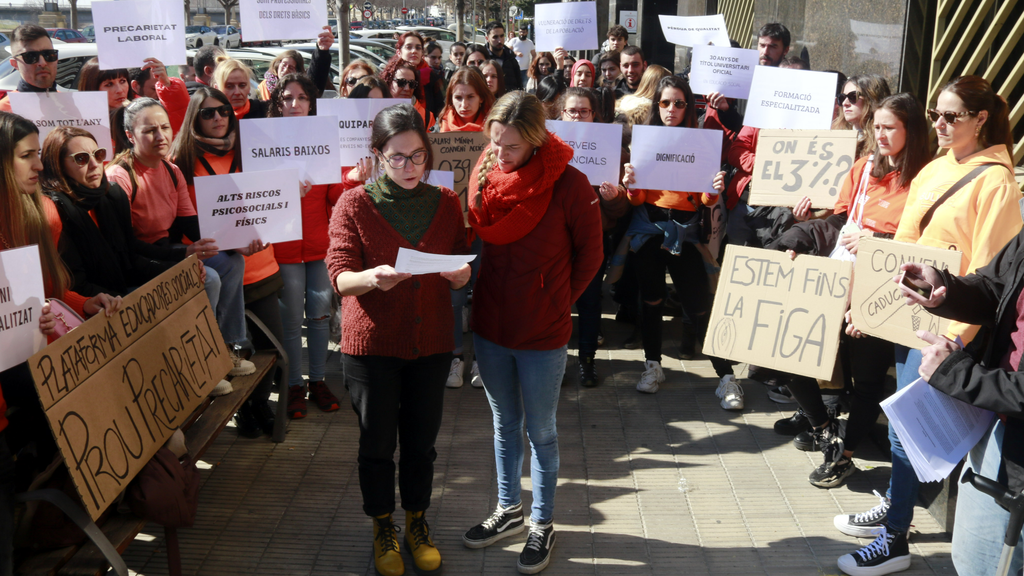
129, 32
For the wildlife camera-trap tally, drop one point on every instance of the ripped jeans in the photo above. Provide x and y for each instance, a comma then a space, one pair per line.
306, 295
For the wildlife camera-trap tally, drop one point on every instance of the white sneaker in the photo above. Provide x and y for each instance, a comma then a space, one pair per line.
465, 319
651, 377
241, 366
223, 388
475, 379
455, 374
730, 392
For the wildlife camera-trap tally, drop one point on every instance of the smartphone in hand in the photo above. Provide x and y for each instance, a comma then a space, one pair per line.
917, 284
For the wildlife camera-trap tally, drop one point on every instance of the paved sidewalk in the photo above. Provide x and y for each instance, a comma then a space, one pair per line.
649, 484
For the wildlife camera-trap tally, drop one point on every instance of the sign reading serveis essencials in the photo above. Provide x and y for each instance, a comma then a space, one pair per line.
281, 19
129, 32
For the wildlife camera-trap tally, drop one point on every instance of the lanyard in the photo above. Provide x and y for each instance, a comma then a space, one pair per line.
862, 194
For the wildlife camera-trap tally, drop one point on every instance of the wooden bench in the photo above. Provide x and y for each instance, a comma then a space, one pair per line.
201, 429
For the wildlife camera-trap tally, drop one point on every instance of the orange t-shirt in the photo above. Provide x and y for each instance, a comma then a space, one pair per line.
158, 201
880, 206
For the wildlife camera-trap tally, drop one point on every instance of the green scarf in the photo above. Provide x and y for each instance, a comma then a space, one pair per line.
408, 211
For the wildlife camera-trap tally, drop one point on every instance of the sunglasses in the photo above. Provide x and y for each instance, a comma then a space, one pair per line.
351, 80
949, 117
82, 158
32, 56
224, 111
403, 83
852, 97
666, 103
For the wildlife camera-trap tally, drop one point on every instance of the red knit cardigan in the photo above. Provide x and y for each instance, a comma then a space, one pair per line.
414, 318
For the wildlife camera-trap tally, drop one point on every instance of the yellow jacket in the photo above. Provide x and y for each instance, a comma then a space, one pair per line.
978, 220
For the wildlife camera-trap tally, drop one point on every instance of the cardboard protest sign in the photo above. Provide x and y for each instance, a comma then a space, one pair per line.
21, 301
792, 99
674, 158
49, 110
129, 32
779, 313
597, 148
878, 307
308, 143
115, 389
695, 30
281, 19
235, 209
570, 25
458, 152
355, 123
723, 69
791, 164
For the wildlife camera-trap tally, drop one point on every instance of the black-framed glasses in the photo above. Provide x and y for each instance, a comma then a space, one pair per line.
224, 111
949, 117
398, 161
678, 103
582, 113
351, 80
851, 96
32, 56
402, 83
82, 158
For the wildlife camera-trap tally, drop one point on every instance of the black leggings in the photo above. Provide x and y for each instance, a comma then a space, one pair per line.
268, 310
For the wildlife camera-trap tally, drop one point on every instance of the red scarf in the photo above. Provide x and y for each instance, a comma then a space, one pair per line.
452, 122
511, 205
241, 112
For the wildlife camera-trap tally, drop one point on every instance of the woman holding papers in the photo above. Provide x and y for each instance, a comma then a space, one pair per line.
307, 289
541, 228
397, 338
978, 218
665, 236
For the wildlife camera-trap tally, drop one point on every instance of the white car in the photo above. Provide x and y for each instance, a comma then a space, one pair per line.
199, 36
445, 38
228, 37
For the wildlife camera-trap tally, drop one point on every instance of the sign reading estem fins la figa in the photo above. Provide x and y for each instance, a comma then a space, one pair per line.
21, 300
355, 123
569, 25
282, 19
695, 30
235, 209
597, 148
878, 306
115, 389
129, 32
309, 143
458, 152
791, 164
675, 158
49, 110
723, 69
792, 99
779, 313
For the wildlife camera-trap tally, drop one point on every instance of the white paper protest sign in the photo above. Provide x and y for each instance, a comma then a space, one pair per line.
49, 110
569, 25
726, 70
793, 99
129, 32
355, 123
235, 209
441, 179
281, 19
677, 159
597, 148
308, 143
695, 30
21, 301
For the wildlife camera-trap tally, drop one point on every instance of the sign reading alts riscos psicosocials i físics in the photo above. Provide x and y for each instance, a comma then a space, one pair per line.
235, 209
129, 32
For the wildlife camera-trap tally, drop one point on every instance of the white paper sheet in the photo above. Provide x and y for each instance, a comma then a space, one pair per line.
129, 32
570, 25
695, 30
416, 262
723, 69
21, 302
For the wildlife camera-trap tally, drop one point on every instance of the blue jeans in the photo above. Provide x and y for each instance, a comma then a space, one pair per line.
980, 522
903, 483
736, 228
306, 295
461, 296
524, 385
224, 274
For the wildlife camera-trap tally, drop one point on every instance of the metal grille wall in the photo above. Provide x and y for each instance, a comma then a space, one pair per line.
739, 20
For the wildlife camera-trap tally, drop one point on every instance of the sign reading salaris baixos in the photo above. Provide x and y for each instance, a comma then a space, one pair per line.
791, 99
282, 19
129, 32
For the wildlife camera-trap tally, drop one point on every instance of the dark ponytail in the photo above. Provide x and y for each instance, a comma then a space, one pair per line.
977, 95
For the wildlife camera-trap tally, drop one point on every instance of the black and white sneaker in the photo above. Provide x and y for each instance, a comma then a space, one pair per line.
865, 524
537, 552
504, 522
832, 472
887, 554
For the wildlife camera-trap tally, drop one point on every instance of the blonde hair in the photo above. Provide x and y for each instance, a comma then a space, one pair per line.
521, 111
225, 66
649, 81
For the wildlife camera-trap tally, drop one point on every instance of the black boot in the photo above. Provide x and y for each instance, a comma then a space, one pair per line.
264, 415
246, 422
688, 342
588, 374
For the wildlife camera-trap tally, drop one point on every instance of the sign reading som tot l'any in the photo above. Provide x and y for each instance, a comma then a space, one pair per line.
791, 164
115, 389
779, 313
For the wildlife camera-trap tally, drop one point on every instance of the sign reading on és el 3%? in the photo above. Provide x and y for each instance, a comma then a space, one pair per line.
791, 164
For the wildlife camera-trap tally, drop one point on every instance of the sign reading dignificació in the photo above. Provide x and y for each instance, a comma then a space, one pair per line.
675, 158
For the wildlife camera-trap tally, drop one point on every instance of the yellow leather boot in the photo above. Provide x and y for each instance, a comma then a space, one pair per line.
417, 536
386, 557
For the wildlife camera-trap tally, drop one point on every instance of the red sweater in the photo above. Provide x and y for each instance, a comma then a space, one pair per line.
317, 205
525, 290
414, 318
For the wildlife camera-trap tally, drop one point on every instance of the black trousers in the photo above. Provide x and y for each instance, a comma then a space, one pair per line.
397, 400
268, 310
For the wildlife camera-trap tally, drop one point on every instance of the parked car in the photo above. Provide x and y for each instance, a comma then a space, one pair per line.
199, 36
89, 32
4, 42
70, 59
228, 36
255, 44
384, 48
468, 33
67, 35
357, 25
